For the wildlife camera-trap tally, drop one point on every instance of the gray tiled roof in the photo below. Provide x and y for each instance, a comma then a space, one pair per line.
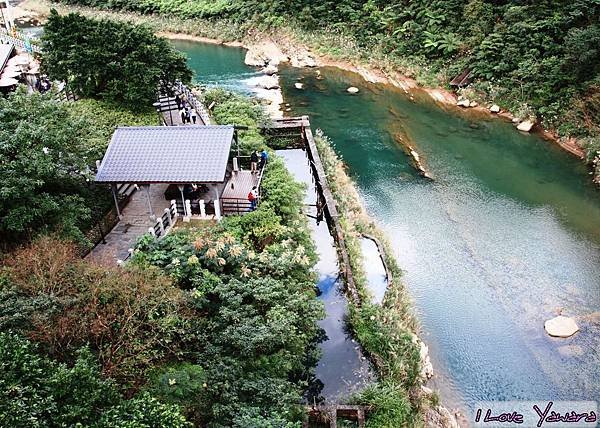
166, 154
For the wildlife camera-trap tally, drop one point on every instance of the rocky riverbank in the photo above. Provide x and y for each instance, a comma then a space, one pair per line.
285, 48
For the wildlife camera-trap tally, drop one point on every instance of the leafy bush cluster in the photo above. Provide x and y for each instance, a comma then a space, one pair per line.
129, 319
110, 60
36, 391
250, 280
541, 54
232, 108
52, 147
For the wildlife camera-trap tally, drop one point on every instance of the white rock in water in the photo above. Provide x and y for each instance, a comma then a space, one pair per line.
270, 69
473, 104
561, 326
267, 82
463, 103
299, 85
495, 108
303, 60
255, 58
352, 89
426, 366
525, 126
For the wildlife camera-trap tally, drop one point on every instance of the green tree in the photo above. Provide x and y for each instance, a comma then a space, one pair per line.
44, 167
112, 60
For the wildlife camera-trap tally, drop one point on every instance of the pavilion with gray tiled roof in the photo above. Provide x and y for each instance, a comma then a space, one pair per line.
164, 154
147, 155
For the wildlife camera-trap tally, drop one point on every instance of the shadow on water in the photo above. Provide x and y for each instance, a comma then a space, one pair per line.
342, 369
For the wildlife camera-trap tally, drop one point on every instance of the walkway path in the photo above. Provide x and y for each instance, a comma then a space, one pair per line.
135, 222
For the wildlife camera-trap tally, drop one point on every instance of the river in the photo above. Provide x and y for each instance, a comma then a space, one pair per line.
505, 236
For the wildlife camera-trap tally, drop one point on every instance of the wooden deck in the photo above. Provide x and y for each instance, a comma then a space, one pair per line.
239, 185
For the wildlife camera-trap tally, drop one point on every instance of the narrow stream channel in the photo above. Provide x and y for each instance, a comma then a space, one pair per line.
506, 235
342, 369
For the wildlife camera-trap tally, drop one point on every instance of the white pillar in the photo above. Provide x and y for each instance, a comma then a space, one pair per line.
217, 209
202, 208
161, 226
151, 231
169, 218
188, 210
174, 209
236, 167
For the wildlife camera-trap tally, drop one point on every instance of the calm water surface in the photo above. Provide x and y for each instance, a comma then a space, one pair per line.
507, 234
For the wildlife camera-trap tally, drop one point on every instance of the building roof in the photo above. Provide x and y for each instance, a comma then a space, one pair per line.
167, 154
5, 53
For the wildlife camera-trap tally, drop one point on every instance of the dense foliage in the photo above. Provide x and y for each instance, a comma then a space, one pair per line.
251, 280
111, 60
232, 108
47, 151
130, 319
36, 391
44, 163
538, 58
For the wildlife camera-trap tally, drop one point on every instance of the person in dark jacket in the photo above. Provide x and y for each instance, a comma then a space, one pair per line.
253, 161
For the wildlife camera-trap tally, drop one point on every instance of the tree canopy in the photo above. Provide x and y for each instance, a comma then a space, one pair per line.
112, 60
44, 167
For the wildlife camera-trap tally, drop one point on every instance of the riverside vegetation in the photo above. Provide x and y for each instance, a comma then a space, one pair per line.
538, 60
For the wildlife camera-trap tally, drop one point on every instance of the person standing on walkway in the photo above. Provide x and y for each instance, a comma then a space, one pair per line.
178, 101
263, 159
253, 161
253, 198
182, 114
193, 114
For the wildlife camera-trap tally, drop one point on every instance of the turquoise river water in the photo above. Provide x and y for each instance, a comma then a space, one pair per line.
505, 235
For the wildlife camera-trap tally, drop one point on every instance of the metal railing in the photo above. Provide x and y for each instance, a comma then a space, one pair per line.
237, 206
18, 41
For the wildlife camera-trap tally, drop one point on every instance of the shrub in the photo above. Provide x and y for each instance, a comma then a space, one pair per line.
38, 392
129, 318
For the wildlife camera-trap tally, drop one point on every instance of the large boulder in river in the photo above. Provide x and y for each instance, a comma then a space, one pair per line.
352, 89
256, 57
298, 85
303, 60
526, 125
561, 326
266, 82
270, 69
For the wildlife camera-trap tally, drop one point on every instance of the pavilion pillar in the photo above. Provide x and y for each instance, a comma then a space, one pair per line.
113, 187
180, 187
202, 208
152, 216
217, 206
